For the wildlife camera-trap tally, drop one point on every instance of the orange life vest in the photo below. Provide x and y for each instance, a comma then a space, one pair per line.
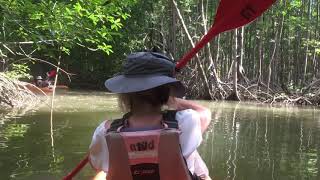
146, 155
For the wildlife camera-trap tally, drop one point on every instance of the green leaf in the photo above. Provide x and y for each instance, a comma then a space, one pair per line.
106, 48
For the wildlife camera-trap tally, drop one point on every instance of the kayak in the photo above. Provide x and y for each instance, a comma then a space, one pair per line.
44, 90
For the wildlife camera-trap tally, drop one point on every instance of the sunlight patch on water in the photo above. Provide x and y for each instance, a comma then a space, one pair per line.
80, 101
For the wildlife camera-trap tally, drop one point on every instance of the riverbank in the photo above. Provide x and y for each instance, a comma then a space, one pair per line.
260, 93
14, 94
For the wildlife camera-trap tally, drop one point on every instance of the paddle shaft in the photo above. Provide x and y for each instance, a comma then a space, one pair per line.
77, 169
205, 39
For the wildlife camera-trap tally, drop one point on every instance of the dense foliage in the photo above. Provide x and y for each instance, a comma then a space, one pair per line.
50, 30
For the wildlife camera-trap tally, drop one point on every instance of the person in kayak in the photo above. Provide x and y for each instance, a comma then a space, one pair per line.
50, 76
145, 85
39, 82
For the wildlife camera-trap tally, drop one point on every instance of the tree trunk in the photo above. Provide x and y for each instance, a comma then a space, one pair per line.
277, 39
163, 40
231, 54
241, 72
172, 30
234, 96
208, 55
199, 64
260, 59
307, 48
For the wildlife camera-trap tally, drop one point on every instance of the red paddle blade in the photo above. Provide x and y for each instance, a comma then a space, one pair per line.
231, 14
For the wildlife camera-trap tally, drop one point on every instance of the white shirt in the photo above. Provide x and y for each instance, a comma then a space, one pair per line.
190, 139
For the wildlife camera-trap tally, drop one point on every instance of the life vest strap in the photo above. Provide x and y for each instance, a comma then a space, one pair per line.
118, 158
169, 118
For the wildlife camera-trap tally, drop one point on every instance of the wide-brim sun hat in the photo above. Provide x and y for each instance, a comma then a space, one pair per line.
143, 71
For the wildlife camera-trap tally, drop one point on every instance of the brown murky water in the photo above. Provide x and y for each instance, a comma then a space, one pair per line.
245, 141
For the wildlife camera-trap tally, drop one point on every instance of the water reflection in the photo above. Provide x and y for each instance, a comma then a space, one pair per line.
244, 141
250, 142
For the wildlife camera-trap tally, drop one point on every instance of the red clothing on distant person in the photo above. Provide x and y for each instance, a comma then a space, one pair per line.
52, 73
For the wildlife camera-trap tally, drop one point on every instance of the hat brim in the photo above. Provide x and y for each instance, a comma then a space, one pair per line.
128, 84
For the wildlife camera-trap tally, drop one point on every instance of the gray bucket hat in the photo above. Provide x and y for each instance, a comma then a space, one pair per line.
39, 78
143, 71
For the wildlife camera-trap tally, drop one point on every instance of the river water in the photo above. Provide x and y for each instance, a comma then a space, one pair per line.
245, 141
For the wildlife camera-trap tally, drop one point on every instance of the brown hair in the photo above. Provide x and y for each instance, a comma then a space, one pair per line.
155, 97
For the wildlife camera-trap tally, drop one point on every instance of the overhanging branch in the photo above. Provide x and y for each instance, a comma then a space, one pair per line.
28, 42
